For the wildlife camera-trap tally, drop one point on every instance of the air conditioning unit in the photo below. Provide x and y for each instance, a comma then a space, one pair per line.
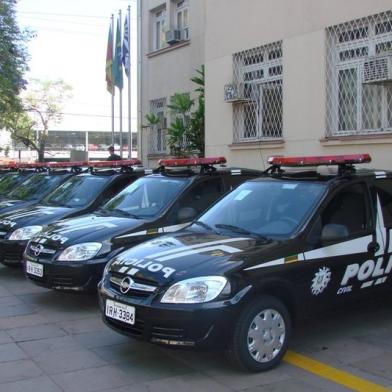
377, 70
235, 92
173, 36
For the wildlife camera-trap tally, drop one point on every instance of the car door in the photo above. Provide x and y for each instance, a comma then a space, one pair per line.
346, 260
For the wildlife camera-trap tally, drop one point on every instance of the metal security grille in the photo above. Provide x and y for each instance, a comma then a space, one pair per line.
157, 132
257, 94
359, 76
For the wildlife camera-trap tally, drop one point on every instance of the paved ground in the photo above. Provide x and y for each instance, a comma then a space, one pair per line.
52, 341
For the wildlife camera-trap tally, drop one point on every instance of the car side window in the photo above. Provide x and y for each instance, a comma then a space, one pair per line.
348, 209
384, 192
197, 198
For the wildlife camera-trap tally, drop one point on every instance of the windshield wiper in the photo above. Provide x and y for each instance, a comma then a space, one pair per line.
208, 227
237, 229
124, 213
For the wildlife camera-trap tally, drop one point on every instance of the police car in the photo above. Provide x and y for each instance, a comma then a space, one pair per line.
290, 241
78, 195
31, 191
71, 254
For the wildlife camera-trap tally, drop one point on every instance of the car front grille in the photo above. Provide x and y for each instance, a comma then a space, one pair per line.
139, 288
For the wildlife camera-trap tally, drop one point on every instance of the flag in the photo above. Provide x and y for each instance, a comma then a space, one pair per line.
117, 65
109, 62
125, 47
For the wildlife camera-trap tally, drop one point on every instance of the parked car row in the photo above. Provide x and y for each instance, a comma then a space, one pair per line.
196, 254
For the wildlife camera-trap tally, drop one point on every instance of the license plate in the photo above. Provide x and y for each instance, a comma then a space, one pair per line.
120, 312
35, 269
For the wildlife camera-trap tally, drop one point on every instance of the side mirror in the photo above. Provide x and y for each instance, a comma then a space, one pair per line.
333, 232
186, 214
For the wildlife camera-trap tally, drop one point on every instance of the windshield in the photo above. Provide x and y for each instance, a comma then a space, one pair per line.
9, 181
146, 197
264, 208
36, 186
78, 191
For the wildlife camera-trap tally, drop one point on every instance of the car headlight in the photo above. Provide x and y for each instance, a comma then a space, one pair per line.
25, 233
80, 251
196, 290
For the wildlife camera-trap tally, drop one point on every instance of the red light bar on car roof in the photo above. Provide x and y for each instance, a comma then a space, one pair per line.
128, 162
67, 164
32, 165
320, 160
192, 161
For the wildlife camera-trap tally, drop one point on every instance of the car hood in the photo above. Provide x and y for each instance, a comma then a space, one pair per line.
86, 228
188, 254
11, 205
36, 215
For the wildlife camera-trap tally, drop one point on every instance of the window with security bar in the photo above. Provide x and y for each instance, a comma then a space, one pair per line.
359, 76
257, 94
157, 132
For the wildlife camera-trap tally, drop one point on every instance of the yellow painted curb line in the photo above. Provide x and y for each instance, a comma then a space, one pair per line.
338, 376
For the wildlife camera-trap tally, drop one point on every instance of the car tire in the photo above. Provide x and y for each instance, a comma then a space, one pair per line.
261, 335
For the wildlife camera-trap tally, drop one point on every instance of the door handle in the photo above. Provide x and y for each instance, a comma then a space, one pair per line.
373, 247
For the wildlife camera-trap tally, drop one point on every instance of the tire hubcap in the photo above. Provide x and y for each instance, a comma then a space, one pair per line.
266, 335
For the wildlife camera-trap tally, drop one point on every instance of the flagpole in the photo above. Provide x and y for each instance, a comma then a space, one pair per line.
121, 125
129, 86
113, 88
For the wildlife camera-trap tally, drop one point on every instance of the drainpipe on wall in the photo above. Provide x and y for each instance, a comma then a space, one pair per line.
139, 82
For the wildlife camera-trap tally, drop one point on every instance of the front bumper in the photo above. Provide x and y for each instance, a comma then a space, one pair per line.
11, 252
68, 275
179, 325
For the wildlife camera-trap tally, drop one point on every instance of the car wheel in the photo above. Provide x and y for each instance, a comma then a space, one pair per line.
261, 334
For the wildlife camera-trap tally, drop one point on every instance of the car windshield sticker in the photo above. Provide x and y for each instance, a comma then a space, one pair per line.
289, 186
321, 280
243, 194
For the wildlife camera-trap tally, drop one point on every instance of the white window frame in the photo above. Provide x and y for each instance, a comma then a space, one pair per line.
158, 29
262, 79
182, 9
335, 64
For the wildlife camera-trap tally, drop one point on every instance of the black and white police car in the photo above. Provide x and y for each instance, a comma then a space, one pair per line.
33, 189
71, 254
274, 247
78, 195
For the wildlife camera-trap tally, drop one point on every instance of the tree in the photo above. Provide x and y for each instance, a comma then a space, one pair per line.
186, 133
13, 60
42, 108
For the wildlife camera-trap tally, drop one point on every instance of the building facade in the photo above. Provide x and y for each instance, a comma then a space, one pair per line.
171, 49
303, 77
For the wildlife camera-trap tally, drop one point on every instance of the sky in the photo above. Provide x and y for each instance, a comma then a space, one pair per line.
70, 44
